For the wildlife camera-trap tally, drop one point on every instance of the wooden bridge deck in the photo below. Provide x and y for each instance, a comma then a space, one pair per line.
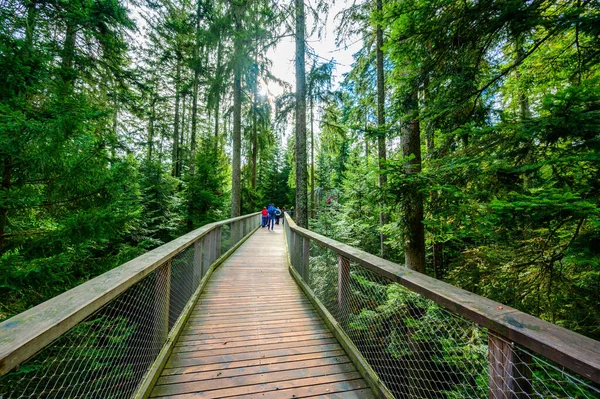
254, 334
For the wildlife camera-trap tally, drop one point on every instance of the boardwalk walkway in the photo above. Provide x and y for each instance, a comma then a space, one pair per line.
254, 334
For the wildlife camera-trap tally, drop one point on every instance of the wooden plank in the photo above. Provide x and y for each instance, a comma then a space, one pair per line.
233, 323
244, 336
244, 310
346, 371
243, 371
187, 346
145, 386
229, 312
355, 389
26, 333
247, 332
214, 305
208, 328
272, 329
347, 381
569, 349
251, 317
187, 352
253, 362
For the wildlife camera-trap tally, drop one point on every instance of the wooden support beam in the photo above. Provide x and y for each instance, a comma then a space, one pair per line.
162, 293
343, 284
305, 259
218, 232
509, 369
208, 250
198, 273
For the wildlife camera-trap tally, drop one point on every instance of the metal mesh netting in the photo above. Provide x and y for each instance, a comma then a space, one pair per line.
105, 355
418, 348
108, 354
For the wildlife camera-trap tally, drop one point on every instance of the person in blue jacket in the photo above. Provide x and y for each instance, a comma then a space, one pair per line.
270, 223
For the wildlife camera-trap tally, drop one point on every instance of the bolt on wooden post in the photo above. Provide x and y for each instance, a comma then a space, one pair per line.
508, 367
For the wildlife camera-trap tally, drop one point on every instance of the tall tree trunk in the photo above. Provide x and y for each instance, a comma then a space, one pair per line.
68, 54
6, 186
175, 156
151, 129
195, 84
312, 156
414, 246
524, 111
30, 28
301, 172
428, 128
218, 104
381, 126
367, 150
183, 142
7, 159
254, 128
237, 132
438, 260
437, 247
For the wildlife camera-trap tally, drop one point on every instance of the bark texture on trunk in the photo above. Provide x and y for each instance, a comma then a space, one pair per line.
301, 169
312, 159
218, 104
254, 128
414, 246
175, 156
237, 138
382, 153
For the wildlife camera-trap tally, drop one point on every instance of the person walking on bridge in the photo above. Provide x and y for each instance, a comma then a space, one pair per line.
265, 217
271, 221
277, 215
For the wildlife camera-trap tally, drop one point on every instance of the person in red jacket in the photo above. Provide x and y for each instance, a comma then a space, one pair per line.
265, 217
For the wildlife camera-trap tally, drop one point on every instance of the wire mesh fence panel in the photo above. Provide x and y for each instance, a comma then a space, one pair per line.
182, 284
104, 356
516, 372
420, 349
108, 354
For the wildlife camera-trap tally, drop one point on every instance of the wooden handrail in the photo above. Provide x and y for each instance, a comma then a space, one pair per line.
567, 348
26, 333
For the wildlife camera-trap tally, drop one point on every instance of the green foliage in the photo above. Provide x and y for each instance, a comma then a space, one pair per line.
205, 195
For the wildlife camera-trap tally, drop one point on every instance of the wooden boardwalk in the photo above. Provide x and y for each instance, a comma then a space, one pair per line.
254, 334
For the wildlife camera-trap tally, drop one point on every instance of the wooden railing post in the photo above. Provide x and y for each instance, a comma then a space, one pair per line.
509, 371
208, 251
305, 258
162, 293
198, 262
217, 242
297, 252
343, 284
